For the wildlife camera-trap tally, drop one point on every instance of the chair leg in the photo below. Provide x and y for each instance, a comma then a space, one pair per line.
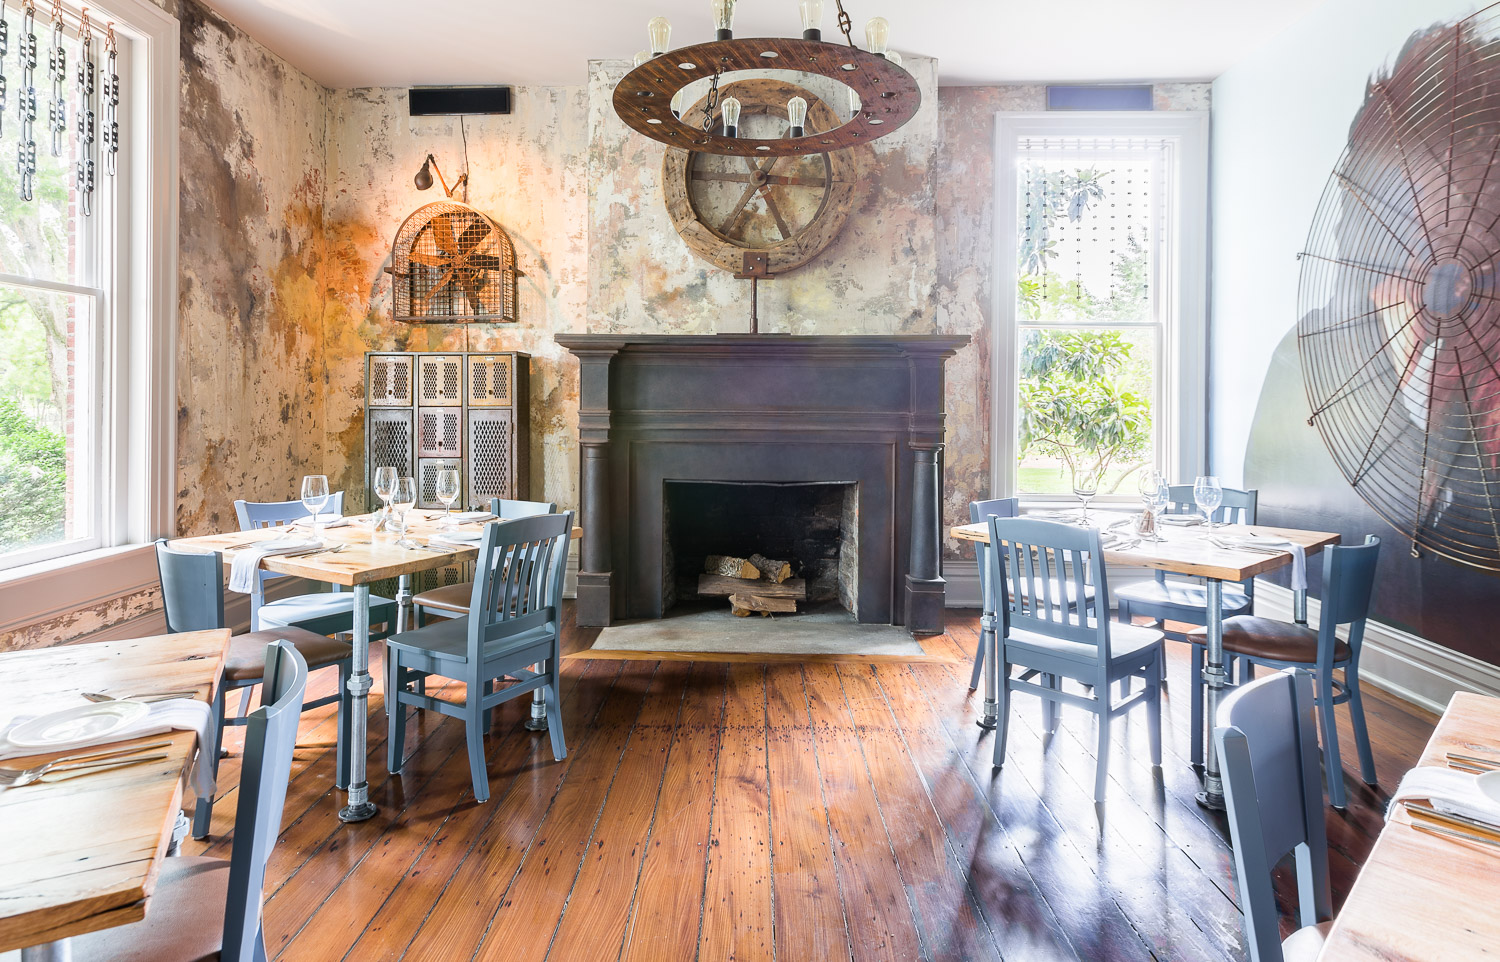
1101, 772
1153, 705
1361, 735
345, 723
474, 736
978, 662
1002, 714
1049, 707
487, 689
554, 713
1124, 619
203, 812
395, 740
1195, 680
1332, 765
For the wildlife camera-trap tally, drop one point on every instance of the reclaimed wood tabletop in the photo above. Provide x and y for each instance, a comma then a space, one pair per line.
82, 855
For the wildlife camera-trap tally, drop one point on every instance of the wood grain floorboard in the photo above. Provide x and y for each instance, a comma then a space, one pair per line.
780, 809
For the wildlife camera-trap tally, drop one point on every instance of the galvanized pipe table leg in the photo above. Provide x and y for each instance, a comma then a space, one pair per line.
1299, 606
1214, 676
360, 807
406, 621
989, 643
58, 951
538, 720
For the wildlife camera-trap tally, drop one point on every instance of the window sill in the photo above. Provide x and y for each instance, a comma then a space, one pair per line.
48, 589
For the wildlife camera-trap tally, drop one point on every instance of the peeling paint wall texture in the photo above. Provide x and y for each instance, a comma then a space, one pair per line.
963, 182
250, 305
528, 171
875, 278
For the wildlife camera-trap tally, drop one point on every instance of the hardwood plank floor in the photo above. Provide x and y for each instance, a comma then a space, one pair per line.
730, 809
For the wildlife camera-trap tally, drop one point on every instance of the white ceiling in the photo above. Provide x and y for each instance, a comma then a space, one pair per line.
369, 43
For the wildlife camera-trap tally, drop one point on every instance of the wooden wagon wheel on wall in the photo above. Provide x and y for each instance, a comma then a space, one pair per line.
788, 208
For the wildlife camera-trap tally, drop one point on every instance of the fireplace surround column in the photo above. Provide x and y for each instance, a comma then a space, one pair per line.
595, 567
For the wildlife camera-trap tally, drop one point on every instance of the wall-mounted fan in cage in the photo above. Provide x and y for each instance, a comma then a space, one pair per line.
1399, 306
450, 264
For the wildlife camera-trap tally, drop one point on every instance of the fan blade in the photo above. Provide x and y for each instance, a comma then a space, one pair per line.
442, 232
431, 260
483, 262
474, 232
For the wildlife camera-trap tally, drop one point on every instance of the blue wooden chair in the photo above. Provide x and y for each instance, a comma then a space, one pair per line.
323, 612
1051, 640
514, 622
1348, 583
192, 892
1268, 754
192, 591
1162, 599
450, 601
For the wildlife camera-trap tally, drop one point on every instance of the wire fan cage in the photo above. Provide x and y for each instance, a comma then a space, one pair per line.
1399, 329
450, 264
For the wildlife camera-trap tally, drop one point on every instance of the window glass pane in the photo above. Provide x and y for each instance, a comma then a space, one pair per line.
39, 238
46, 410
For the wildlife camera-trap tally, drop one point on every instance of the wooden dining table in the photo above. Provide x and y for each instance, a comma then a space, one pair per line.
1421, 897
1182, 550
364, 556
81, 855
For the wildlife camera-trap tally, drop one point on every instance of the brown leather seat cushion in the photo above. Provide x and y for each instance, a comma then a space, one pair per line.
1270, 639
247, 653
184, 919
449, 597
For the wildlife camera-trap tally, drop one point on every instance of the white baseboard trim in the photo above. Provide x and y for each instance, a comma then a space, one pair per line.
1404, 664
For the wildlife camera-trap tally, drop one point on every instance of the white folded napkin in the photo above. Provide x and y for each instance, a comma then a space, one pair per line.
1181, 519
326, 520
474, 516
183, 714
247, 559
1299, 554
1450, 791
1114, 539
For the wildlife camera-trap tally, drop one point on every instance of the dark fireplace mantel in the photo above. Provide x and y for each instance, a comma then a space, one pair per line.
761, 408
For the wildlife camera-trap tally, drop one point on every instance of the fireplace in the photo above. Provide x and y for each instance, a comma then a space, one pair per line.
751, 421
812, 525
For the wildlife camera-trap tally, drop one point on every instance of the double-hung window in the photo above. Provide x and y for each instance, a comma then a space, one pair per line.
1100, 286
87, 297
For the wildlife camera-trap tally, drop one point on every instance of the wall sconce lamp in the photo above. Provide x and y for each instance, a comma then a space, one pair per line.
423, 179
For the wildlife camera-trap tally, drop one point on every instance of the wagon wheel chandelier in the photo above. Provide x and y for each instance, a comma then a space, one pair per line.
883, 95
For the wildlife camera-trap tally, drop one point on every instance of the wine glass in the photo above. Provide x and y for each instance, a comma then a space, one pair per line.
385, 489
1154, 493
314, 499
1208, 496
447, 492
404, 499
1085, 487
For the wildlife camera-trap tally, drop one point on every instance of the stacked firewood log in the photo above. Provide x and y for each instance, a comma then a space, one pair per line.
753, 584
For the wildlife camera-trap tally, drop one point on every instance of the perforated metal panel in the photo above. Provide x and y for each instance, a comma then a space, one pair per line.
439, 432
427, 473
390, 380
491, 381
491, 434
389, 440
440, 381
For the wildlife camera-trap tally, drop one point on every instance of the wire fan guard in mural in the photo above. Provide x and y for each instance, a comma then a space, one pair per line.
451, 264
1399, 328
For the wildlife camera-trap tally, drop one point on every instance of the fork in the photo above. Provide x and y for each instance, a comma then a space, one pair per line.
16, 777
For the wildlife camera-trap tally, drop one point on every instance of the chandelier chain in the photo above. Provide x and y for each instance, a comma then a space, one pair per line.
845, 24
712, 103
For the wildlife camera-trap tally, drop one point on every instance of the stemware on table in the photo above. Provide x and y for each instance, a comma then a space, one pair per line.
447, 492
1208, 495
1085, 487
385, 489
403, 500
315, 499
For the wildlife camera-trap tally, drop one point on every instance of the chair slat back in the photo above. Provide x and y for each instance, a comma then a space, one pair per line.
192, 588
1266, 735
270, 737
1238, 507
257, 515
1348, 582
1032, 563
982, 511
519, 573
510, 510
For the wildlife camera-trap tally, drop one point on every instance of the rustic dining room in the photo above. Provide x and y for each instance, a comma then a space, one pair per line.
749, 480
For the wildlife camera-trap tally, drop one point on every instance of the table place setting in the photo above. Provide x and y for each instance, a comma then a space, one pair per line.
1461, 801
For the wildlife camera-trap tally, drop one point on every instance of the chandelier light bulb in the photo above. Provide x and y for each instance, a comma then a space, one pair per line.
893, 57
812, 19
660, 31
677, 105
877, 35
641, 56
730, 107
724, 19
796, 112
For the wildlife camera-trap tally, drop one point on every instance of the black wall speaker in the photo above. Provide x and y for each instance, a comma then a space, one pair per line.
451, 101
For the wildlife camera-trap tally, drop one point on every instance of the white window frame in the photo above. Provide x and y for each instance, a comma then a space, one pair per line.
135, 348
1179, 414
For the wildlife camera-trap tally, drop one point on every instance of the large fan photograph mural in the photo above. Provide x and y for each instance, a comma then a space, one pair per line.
1399, 331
